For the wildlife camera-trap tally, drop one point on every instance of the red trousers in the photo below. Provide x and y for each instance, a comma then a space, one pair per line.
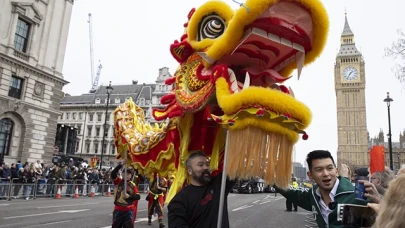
155, 205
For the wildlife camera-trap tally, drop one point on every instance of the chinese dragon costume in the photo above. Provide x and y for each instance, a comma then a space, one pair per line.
233, 64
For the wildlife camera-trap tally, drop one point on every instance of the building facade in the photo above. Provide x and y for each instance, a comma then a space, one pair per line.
398, 149
350, 85
32, 48
85, 115
299, 171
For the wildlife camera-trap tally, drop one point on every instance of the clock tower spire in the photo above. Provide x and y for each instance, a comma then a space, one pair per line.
350, 84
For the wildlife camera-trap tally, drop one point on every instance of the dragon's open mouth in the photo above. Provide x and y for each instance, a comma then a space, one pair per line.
279, 37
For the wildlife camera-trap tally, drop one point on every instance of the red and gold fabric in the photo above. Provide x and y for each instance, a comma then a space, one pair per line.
231, 79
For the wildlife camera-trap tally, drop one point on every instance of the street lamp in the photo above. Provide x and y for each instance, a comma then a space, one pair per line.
109, 89
388, 100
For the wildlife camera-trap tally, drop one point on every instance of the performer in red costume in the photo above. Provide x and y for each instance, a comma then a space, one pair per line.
156, 197
123, 215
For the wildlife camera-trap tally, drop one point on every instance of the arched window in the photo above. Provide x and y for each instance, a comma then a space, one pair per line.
6, 131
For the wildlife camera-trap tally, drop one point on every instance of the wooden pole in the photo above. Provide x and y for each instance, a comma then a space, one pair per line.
223, 185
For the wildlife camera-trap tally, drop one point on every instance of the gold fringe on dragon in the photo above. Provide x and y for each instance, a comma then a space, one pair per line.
233, 66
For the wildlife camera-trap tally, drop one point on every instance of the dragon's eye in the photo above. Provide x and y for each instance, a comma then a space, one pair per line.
211, 27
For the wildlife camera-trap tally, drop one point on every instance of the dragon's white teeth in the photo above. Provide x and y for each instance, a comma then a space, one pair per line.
273, 37
291, 92
286, 42
247, 81
234, 87
234, 82
298, 47
259, 32
300, 58
232, 76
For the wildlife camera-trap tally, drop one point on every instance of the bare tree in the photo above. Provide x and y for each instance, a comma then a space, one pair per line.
397, 51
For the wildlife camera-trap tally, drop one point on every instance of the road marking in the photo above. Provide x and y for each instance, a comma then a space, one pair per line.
230, 195
268, 201
138, 220
70, 205
256, 201
268, 196
2, 205
242, 207
49, 213
145, 219
50, 223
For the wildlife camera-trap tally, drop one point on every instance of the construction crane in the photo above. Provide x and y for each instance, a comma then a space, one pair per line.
94, 78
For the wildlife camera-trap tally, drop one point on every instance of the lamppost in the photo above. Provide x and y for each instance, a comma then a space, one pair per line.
388, 100
109, 89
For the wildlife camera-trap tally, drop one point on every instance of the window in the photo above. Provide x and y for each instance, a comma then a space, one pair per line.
95, 147
97, 131
81, 115
98, 117
67, 115
21, 36
91, 117
88, 148
97, 101
112, 149
79, 129
142, 101
89, 131
15, 87
61, 116
6, 130
117, 100
74, 115
105, 148
107, 127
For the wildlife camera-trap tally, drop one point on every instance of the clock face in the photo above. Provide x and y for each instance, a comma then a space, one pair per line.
350, 73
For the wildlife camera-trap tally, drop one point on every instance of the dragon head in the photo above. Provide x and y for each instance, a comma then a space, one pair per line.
236, 62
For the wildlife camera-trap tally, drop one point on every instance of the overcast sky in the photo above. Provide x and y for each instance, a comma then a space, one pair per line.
132, 38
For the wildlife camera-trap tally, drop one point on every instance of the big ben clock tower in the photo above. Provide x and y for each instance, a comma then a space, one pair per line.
350, 85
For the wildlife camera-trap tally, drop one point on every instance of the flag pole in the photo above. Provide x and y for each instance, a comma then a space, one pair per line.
223, 184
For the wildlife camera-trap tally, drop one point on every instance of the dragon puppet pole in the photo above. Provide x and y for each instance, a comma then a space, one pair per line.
125, 172
223, 185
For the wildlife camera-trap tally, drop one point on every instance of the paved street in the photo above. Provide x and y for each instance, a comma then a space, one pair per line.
246, 210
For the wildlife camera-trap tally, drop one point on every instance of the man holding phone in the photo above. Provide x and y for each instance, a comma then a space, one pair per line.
331, 192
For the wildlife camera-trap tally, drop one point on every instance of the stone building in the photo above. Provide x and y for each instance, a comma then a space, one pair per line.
398, 149
32, 48
86, 114
350, 85
299, 171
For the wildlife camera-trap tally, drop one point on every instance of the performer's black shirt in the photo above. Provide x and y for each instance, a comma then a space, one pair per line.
198, 206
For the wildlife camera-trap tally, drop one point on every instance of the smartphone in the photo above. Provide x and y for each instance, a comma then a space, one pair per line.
359, 189
357, 216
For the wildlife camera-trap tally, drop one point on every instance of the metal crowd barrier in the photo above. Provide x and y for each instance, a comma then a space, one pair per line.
42, 188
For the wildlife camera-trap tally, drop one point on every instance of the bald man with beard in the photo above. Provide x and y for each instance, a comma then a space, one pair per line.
197, 204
